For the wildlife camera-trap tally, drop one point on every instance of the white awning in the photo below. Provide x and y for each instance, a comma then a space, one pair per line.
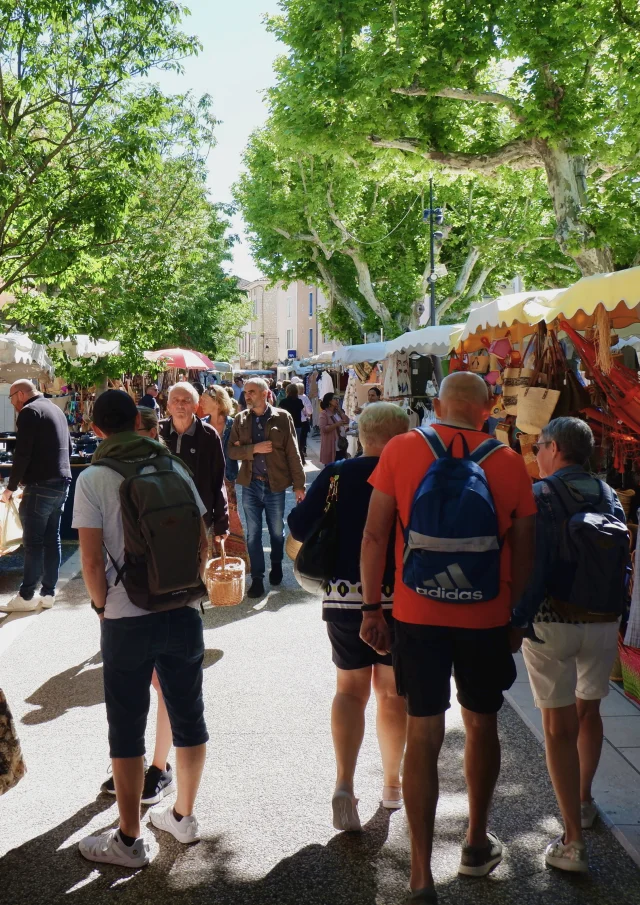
82, 346
355, 355
438, 340
21, 357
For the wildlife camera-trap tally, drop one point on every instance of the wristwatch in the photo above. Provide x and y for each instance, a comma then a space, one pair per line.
97, 609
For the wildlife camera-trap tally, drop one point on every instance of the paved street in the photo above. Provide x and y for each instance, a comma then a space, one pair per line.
265, 802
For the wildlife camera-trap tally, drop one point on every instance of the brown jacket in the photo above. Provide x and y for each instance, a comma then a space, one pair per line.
284, 465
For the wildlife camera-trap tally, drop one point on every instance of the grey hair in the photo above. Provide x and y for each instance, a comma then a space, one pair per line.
380, 422
572, 436
187, 387
257, 382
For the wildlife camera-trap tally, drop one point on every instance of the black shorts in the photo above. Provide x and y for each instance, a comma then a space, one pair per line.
425, 655
349, 650
173, 643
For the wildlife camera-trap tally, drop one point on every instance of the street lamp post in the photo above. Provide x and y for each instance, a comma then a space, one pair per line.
433, 215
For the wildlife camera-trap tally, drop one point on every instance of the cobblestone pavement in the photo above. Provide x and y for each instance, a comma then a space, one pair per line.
264, 805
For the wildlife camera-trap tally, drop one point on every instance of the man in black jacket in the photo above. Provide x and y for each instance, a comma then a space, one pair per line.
200, 448
40, 462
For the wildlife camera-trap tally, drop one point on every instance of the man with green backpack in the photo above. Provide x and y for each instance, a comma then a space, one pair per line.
143, 545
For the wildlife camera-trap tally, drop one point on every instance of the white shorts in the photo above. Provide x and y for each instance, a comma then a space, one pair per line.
574, 661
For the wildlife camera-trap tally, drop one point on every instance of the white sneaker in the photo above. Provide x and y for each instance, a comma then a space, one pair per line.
185, 830
47, 600
588, 814
572, 857
108, 848
19, 605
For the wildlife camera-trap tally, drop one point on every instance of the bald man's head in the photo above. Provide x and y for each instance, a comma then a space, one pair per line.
20, 392
464, 399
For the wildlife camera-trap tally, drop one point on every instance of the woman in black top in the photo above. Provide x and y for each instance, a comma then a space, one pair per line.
293, 404
357, 664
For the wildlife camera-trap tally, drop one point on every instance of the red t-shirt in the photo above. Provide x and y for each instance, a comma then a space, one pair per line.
402, 466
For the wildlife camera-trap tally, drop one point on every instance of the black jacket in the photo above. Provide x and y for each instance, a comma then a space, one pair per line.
202, 453
43, 446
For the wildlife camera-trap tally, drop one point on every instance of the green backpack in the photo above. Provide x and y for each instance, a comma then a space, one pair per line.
161, 522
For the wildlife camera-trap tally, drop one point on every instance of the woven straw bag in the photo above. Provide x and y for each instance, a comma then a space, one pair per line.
225, 579
626, 498
512, 380
527, 442
536, 406
12, 767
292, 546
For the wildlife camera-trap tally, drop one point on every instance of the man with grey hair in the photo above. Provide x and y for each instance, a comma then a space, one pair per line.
41, 462
570, 650
200, 448
263, 439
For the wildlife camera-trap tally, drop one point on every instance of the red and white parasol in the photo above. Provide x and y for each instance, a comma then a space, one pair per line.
186, 359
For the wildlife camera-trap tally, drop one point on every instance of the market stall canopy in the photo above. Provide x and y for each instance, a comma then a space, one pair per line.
184, 359
82, 346
438, 340
514, 314
618, 292
223, 366
21, 357
355, 355
322, 359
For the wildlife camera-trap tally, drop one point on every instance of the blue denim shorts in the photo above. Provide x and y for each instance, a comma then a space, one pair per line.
173, 643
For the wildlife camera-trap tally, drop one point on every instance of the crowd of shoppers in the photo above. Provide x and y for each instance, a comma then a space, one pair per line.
411, 602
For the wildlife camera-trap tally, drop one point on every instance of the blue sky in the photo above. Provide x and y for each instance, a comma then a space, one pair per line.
234, 67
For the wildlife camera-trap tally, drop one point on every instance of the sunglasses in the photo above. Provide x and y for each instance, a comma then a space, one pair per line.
536, 446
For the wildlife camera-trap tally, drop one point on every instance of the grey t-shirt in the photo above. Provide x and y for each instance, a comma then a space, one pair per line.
97, 505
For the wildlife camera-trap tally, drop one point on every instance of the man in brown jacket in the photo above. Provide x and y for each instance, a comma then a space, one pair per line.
263, 439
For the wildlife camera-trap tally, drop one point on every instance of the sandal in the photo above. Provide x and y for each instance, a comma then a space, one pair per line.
426, 896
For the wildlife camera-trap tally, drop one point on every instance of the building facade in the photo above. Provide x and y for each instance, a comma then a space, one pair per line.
285, 324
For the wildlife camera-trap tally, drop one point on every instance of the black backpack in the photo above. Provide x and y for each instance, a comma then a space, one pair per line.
318, 555
588, 577
161, 522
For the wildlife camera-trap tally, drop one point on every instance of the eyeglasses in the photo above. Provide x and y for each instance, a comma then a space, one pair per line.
536, 446
15, 393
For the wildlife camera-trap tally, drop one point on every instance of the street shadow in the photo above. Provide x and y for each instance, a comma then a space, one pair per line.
79, 686
45, 870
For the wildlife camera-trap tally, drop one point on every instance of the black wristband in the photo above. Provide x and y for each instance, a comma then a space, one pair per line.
97, 609
370, 607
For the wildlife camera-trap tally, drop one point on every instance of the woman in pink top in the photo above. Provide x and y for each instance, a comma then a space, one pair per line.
331, 422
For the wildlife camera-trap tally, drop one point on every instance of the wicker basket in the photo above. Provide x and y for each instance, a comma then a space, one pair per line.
626, 498
224, 578
292, 546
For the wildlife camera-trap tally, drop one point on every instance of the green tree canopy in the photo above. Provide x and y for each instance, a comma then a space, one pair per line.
550, 86
356, 223
76, 130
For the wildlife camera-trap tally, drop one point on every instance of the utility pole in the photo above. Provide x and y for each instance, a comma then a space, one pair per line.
434, 215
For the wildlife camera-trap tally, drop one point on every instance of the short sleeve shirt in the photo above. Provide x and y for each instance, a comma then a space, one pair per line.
97, 505
403, 464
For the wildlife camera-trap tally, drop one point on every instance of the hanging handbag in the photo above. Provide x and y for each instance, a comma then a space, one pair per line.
501, 348
574, 397
479, 362
318, 555
458, 363
12, 766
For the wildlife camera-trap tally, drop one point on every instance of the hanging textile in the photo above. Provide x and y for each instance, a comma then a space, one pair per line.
350, 402
312, 391
325, 384
632, 635
396, 380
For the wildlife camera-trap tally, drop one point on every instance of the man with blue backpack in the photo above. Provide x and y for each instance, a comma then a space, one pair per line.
464, 510
575, 599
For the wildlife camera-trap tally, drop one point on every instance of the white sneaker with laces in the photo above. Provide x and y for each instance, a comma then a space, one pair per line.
19, 605
185, 830
108, 848
47, 600
572, 857
588, 814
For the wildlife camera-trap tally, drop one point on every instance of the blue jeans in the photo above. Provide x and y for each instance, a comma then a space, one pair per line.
256, 499
40, 514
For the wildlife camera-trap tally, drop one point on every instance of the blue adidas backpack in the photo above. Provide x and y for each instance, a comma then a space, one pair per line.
452, 542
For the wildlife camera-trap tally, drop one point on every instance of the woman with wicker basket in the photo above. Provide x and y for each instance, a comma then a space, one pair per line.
217, 404
358, 666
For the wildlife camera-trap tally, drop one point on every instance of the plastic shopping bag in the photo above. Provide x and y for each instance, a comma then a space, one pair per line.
10, 528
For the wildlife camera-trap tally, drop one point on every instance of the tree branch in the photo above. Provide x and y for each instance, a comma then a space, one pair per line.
520, 154
331, 283
463, 94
